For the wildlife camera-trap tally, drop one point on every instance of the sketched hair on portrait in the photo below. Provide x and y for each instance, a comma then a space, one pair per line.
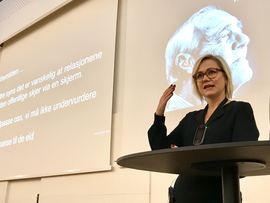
222, 65
210, 30
206, 32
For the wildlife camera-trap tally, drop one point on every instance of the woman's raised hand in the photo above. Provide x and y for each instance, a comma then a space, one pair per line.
167, 94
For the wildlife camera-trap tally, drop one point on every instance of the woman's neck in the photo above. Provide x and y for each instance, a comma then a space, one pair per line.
213, 103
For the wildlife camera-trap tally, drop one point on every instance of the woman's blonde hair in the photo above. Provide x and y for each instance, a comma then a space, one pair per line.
222, 65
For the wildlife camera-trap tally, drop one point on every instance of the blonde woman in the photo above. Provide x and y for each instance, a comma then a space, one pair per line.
222, 120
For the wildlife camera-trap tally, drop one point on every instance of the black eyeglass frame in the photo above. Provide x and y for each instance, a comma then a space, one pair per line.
195, 76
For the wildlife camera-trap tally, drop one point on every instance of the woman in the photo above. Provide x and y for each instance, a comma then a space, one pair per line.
222, 120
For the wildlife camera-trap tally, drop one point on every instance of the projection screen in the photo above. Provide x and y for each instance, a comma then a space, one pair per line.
56, 93
162, 46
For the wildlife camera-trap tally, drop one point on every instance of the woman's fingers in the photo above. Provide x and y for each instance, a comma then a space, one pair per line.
167, 94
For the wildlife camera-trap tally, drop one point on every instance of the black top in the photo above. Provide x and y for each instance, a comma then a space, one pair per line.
232, 121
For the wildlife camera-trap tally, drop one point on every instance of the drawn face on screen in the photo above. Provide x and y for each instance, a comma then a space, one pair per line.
208, 31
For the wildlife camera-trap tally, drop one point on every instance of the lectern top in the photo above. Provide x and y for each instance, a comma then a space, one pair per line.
252, 156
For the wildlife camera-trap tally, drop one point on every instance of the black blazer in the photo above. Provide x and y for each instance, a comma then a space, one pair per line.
233, 121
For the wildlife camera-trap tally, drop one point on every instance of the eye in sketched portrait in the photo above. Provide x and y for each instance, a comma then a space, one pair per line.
208, 31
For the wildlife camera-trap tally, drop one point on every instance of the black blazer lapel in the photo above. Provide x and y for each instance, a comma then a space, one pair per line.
200, 115
217, 114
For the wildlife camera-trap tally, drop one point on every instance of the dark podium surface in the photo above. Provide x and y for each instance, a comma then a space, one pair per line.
228, 160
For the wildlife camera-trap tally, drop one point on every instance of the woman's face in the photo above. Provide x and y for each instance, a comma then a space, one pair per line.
235, 43
230, 43
213, 87
240, 69
233, 48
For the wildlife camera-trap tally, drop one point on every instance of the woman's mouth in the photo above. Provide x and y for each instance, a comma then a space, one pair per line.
208, 86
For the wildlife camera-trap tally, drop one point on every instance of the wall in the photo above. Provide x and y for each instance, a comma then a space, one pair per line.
119, 184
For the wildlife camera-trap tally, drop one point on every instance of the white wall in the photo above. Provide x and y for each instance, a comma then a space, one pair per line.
118, 185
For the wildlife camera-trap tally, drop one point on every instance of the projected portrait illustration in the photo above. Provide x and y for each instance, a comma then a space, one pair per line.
208, 31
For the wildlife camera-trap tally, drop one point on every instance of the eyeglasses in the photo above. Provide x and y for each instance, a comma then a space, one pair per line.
199, 135
211, 73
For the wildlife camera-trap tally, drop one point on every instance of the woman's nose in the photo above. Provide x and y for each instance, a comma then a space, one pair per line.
241, 40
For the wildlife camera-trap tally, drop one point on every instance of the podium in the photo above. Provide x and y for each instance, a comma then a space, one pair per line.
230, 161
